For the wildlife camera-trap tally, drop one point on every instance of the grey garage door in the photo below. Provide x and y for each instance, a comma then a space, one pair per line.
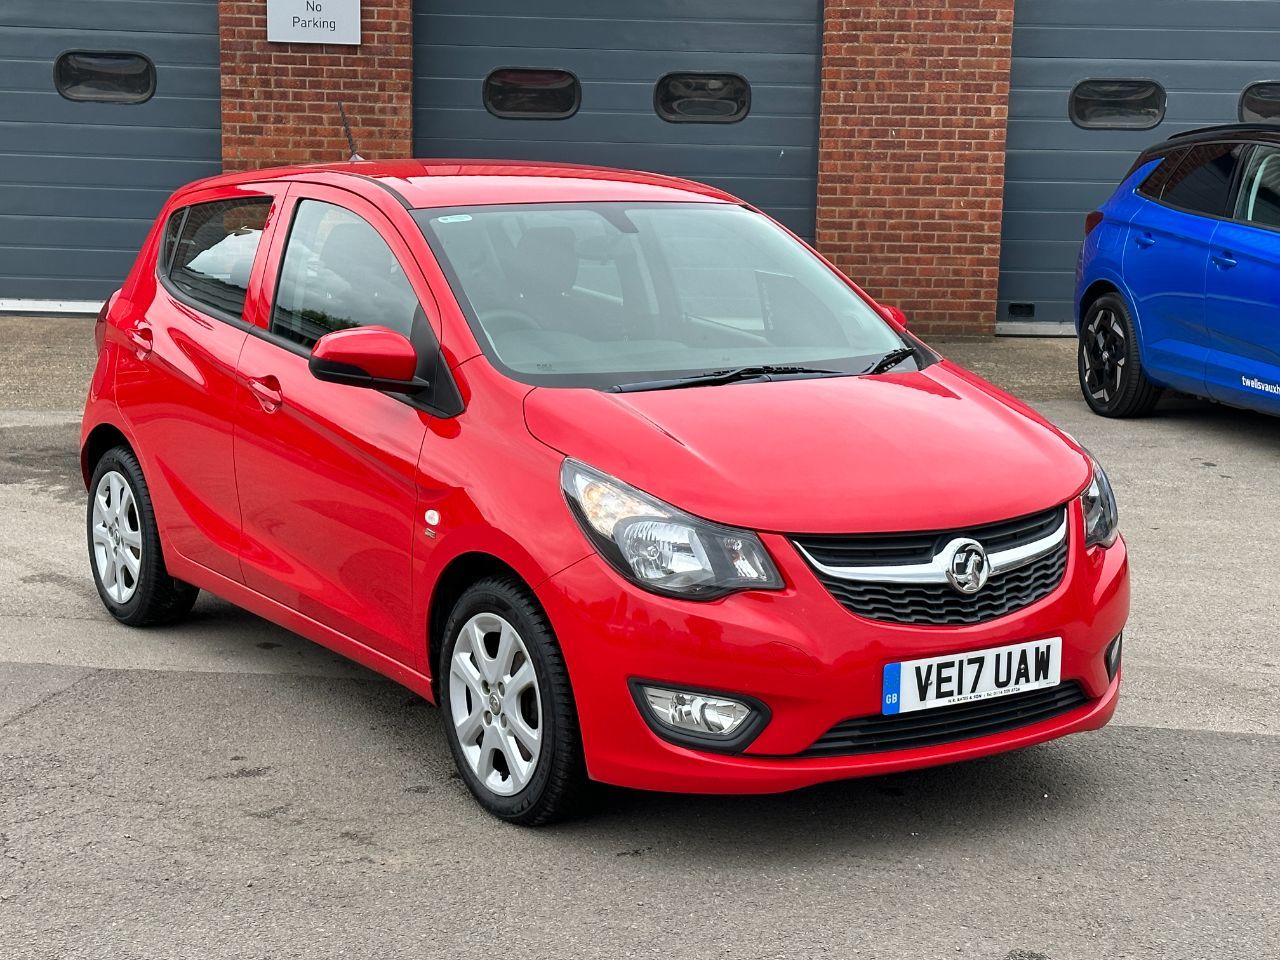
81, 181
618, 52
1202, 52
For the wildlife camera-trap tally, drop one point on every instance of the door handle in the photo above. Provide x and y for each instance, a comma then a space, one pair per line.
267, 390
1224, 259
142, 340
1144, 239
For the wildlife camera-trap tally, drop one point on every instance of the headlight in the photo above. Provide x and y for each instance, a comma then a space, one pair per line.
1101, 519
661, 548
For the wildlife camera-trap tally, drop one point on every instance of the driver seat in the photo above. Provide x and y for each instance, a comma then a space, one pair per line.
545, 268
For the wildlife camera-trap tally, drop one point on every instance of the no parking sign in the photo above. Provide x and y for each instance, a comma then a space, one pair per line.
313, 21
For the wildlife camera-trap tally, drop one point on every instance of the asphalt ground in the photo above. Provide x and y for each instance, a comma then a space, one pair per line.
224, 788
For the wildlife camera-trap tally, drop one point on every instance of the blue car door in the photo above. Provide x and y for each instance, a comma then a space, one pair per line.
1166, 259
1242, 306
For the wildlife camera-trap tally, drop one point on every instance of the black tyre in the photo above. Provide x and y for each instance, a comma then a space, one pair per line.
1111, 375
124, 546
508, 706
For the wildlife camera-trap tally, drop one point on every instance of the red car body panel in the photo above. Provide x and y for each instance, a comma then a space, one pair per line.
339, 548
783, 471
175, 379
306, 502
809, 659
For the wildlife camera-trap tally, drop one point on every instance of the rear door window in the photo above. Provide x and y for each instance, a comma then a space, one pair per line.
337, 273
1202, 181
213, 257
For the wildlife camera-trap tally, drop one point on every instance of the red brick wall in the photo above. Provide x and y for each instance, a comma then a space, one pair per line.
280, 100
911, 165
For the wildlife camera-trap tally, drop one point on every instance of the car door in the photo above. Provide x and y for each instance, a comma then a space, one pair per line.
327, 472
1166, 259
175, 379
1242, 306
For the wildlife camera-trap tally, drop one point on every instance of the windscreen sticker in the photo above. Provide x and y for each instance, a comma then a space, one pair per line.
454, 218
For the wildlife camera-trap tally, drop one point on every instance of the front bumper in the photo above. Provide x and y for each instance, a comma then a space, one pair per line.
811, 661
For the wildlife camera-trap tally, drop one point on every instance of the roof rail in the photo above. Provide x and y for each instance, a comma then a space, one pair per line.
1228, 128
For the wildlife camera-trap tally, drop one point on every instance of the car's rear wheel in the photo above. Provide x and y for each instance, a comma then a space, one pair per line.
1111, 375
508, 706
124, 546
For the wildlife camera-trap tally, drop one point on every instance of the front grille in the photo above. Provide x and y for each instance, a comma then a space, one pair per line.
888, 549
964, 721
940, 604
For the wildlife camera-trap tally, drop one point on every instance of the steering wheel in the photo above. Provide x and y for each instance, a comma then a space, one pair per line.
504, 320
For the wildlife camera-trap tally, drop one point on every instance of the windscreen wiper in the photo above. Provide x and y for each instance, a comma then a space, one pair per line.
890, 360
764, 372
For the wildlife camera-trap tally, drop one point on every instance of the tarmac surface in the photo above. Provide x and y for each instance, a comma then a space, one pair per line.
224, 788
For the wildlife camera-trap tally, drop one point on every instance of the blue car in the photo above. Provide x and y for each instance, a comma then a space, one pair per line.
1178, 283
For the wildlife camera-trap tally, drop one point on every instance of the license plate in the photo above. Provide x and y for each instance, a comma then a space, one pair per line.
975, 675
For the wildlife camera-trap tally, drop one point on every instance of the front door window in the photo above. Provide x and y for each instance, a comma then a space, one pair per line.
338, 273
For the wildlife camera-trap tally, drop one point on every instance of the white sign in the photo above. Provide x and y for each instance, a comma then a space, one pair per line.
313, 21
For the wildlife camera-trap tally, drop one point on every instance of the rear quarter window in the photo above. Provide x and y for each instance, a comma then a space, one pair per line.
1153, 186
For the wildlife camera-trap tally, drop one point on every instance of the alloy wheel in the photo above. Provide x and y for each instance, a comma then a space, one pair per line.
117, 537
1104, 351
496, 704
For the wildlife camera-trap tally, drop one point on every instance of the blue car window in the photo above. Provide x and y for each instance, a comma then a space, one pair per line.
1153, 186
1202, 181
1259, 200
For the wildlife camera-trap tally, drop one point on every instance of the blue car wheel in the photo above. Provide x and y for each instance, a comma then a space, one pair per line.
1111, 375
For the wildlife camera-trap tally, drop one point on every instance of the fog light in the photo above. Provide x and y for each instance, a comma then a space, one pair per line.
716, 716
699, 718
1113, 656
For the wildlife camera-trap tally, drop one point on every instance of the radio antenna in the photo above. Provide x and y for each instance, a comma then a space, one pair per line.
346, 128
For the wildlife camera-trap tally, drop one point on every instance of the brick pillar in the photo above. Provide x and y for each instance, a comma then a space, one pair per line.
280, 100
911, 160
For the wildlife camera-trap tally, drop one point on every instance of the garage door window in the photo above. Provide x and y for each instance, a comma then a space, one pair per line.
519, 94
104, 77
1260, 101
702, 97
216, 246
1117, 104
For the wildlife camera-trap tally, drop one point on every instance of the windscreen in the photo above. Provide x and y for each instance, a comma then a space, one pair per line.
602, 294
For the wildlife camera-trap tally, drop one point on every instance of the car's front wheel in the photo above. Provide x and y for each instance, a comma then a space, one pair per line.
508, 706
1111, 375
124, 546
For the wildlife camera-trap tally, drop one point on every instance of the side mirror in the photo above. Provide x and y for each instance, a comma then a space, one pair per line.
894, 316
367, 357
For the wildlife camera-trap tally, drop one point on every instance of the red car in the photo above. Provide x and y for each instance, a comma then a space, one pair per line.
625, 477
